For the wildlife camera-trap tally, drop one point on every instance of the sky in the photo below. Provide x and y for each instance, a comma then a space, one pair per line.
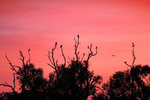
112, 25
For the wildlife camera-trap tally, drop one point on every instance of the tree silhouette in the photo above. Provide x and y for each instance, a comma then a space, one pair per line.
30, 79
120, 87
68, 81
74, 80
137, 73
128, 85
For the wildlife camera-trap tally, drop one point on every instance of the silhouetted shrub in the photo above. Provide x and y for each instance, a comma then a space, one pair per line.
73, 81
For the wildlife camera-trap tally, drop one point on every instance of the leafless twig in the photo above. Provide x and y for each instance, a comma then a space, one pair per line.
133, 54
63, 55
83, 57
12, 66
76, 47
29, 57
22, 57
52, 63
91, 52
7, 85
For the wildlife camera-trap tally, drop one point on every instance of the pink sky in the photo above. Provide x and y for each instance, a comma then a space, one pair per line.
112, 25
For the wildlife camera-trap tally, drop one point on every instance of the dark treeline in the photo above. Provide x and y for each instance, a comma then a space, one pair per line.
74, 81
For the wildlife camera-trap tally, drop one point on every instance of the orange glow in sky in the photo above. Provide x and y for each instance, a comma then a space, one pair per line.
112, 25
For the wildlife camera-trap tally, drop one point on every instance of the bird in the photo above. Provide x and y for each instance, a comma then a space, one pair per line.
113, 55
83, 54
132, 44
56, 44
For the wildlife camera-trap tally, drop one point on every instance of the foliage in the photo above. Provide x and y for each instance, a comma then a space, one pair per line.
73, 81
130, 84
119, 86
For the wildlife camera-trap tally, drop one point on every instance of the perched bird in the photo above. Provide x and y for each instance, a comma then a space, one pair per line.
132, 44
56, 44
60, 46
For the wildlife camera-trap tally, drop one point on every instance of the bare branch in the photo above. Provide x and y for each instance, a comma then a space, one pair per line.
14, 81
127, 64
17, 66
12, 87
12, 66
6, 84
51, 66
29, 57
133, 54
63, 55
76, 47
91, 52
51, 58
53, 49
83, 57
22, 57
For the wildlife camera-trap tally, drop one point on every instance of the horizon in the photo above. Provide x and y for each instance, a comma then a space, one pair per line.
112, 25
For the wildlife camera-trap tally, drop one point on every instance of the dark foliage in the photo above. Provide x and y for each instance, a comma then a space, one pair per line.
130, 84
73, 81
119, 86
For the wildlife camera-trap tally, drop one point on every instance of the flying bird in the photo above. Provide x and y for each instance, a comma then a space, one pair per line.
113, 55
